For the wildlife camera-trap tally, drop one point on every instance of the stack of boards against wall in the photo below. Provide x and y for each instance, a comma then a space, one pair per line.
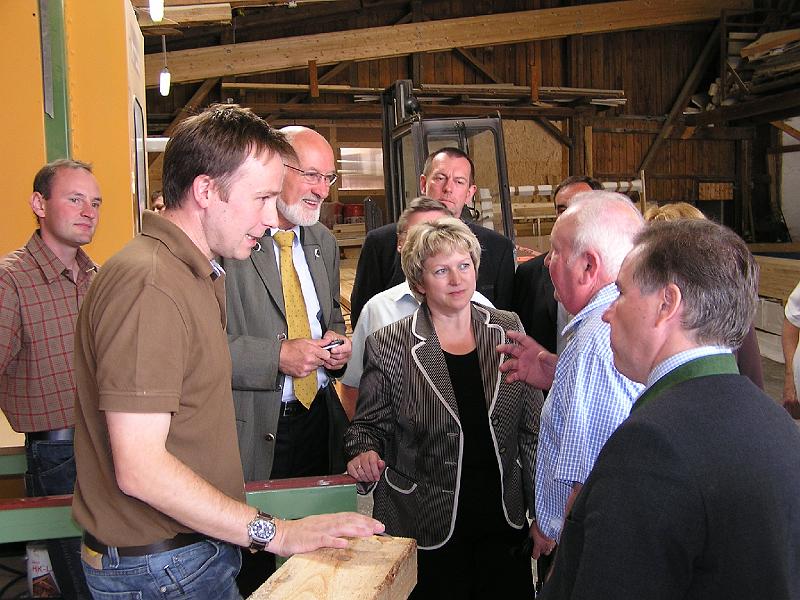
375, 568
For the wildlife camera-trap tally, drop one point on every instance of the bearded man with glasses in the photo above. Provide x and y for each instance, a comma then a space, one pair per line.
283, 317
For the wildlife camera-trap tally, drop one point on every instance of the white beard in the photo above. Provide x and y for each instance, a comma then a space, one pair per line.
298, 213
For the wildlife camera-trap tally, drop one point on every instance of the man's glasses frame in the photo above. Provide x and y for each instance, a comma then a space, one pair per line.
313, 177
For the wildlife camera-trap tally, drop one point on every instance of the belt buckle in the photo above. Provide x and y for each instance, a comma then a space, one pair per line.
288, 409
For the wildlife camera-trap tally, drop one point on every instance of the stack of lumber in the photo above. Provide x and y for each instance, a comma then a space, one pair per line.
350, 234
376, 568
773, 61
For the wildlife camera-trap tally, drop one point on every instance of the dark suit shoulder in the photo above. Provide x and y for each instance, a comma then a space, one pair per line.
532, 267
382, 234
488, 237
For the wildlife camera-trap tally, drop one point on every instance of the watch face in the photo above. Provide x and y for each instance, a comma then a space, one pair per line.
262, 530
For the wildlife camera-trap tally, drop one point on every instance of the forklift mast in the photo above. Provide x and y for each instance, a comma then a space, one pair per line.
408, 138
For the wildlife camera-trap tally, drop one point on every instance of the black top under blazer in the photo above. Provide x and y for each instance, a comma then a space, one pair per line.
407, 413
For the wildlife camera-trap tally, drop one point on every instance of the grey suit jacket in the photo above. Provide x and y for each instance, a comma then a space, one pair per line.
407, 412
256, 327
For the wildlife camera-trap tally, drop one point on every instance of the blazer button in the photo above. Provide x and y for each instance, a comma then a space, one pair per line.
495, 421
270, 437
280, 387
502, 449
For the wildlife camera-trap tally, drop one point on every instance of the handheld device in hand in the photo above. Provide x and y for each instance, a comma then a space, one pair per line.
333, 344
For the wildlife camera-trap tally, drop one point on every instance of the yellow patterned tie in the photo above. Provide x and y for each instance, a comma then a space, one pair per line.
305, 388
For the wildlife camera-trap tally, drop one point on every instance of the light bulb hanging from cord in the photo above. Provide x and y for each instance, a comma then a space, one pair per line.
156, 10
164, 77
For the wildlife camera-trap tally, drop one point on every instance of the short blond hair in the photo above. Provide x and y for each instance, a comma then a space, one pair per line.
429, 239
672, 212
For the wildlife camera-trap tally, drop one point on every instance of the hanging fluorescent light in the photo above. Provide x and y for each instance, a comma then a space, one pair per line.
156, 10
164, 78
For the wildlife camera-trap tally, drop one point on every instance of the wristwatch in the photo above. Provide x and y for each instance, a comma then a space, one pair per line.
261, 531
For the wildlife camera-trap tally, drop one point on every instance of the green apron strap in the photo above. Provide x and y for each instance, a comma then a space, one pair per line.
716, 364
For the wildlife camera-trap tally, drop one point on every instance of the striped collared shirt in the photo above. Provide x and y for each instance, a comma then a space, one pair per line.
39, 302
587, 402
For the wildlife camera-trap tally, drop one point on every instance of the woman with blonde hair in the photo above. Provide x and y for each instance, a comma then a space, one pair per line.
448, 443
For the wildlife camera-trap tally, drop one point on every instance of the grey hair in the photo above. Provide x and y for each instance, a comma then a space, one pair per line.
429, 239
714, 270
420, 204
607, 223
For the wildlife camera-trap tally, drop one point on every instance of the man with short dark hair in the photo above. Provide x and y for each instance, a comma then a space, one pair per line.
534, 296
41, 288
696, 494
160, 492
449, 177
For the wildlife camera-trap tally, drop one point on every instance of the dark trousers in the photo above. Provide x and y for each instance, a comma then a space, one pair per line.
476, 566
51, 471
301, 450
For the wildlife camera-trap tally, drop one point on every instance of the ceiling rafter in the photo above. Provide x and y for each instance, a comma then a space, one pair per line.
400, 40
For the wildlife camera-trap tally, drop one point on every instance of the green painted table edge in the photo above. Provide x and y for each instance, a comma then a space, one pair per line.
19, 524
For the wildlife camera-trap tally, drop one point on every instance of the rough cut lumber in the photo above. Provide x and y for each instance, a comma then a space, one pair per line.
376, 568
779, 276
770, 41
431, 36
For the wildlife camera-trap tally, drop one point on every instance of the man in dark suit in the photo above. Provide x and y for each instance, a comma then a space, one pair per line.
533, 298
696, 495
449, 177
289, 419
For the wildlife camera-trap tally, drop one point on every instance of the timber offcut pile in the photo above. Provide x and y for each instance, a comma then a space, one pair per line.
773, 62
756, 66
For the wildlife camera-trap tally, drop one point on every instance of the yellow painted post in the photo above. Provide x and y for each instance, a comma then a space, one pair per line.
105, 62
22, 137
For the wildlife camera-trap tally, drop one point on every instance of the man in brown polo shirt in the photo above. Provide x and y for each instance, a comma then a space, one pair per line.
42, 286
160, 488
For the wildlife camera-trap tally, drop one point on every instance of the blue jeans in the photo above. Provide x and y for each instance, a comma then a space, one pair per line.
202, 571
51, 472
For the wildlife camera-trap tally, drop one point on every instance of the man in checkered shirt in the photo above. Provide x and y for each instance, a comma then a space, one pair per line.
589, 398
41, 288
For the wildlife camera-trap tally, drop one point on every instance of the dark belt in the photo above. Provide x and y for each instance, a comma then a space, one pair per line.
179, 541
293, 408
56, 435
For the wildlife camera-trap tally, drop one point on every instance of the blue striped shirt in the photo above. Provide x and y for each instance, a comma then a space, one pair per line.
587, 402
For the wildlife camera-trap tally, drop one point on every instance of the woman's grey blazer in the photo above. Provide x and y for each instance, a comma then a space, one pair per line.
408, 414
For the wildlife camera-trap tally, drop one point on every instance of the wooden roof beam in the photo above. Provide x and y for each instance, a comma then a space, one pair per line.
382, 42
177, 16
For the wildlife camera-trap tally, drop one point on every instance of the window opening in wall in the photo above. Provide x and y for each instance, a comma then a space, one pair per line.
361, 169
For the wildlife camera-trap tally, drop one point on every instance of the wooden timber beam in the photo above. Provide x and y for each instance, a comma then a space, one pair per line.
175, 16
373, 111
233, 3
770, 107
787, 129
382, 42
689, 88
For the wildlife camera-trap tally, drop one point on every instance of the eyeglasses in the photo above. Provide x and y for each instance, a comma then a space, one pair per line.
313, 177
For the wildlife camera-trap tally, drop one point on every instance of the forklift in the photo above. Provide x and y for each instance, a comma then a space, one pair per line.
408, 138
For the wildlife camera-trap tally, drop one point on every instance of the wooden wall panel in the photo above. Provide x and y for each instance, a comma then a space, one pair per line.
619, 146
